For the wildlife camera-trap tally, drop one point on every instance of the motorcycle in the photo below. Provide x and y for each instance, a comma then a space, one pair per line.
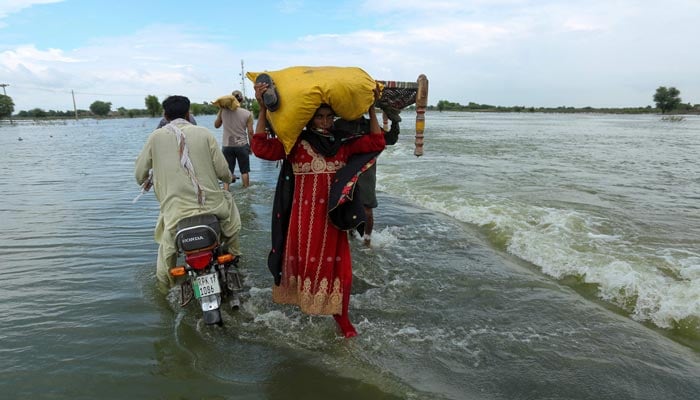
211, 275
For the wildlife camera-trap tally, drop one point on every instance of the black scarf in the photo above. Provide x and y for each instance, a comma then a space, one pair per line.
281, 210
328, 145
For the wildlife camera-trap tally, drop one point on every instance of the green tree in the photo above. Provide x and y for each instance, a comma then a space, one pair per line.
444, 105
255, 108
667, 99
122, 111
100, 108
153, 105
203, 109
37, 113
7, 106
441, 105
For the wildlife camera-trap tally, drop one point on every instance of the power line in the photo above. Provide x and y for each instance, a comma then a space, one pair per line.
42, 89
111, 94
83, 93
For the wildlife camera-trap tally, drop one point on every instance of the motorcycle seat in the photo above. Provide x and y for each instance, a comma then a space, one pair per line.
198, 233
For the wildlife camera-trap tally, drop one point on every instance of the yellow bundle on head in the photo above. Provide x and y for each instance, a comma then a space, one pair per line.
301, 90
227, 101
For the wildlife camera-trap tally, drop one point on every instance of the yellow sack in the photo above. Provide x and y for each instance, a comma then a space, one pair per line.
301, 90
227, 101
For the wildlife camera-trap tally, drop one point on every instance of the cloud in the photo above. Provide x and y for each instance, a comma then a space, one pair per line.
422, 8
517, 52
8, 7
289, 6
409, 48
577, 24
159, 60
28, 56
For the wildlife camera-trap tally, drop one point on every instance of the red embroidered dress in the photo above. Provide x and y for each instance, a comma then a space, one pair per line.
317, 266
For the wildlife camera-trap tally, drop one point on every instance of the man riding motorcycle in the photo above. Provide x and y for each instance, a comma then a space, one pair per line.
184, 164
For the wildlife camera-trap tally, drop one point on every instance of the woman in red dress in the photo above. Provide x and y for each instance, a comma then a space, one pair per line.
316, 263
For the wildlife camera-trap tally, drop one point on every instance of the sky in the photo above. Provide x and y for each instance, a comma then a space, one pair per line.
539, 53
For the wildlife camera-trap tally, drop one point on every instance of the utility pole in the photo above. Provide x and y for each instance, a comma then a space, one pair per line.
4, 85
243, 84
74, 108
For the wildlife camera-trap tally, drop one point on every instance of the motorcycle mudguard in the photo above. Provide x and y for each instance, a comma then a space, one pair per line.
213, 317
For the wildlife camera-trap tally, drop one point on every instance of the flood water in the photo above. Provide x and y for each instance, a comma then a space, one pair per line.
523, 256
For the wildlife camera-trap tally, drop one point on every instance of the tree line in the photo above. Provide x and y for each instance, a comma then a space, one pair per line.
101, 109
667, 100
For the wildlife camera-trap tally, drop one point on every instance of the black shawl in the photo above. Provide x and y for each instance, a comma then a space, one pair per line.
281, 210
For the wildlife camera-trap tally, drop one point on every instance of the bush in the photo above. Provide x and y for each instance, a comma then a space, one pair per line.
100, 108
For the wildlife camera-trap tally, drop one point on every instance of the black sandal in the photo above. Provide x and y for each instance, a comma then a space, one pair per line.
392, 113
270, 98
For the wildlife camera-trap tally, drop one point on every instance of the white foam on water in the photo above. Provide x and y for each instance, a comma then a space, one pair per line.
385, 238
688, 263
465, 341
625, 275
565, 243
408, 331
691, 272
274, 318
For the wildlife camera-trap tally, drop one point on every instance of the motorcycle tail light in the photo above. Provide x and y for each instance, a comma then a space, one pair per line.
224, 258
199, 260
177, 271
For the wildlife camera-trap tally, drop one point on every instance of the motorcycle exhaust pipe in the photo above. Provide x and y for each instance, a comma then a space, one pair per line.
235, 302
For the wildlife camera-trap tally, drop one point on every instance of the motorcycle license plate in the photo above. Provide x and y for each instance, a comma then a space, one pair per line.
206, 285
